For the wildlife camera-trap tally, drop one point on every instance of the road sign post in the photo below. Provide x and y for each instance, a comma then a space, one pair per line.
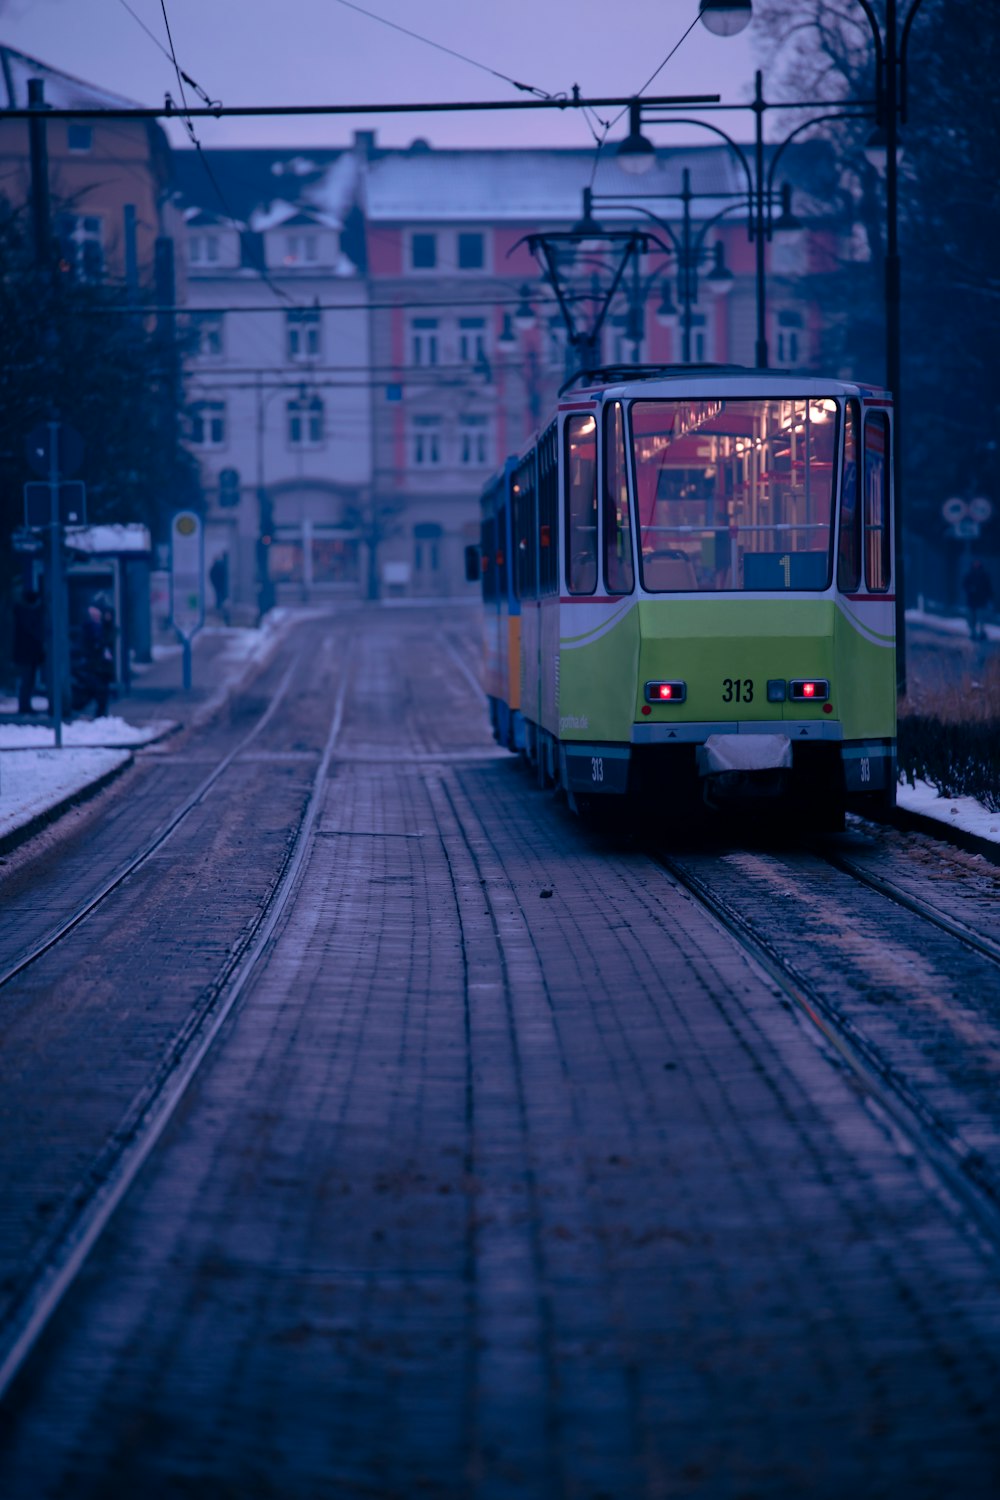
187, 582
56, 581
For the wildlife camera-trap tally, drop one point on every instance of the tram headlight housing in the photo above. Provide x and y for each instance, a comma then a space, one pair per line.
665, 692
809, 690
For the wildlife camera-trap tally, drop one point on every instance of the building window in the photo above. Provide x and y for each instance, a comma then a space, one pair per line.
427, 547
471, 340
79, 137
81, 245
203, 249
305, 422
423, 252
301, 249
303, 329
426, 442
474, 442
470, 252
424, 341
789, 338
207, 335
208, 424
699, 338
555, 344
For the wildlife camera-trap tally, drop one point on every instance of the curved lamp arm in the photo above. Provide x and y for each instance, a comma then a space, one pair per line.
876, 32
806, 125
717, 130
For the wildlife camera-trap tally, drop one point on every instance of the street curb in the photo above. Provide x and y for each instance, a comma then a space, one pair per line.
15, 837
972, 843
250, 669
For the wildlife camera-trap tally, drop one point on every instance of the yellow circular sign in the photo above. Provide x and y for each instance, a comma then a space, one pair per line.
186, 525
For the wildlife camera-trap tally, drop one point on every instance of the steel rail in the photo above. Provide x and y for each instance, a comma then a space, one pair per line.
954, 926
155, 842
148, 1118
960, 1167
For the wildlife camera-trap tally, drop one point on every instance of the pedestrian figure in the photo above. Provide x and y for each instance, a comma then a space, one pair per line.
29, 646
978, 592
93, 666
218, 575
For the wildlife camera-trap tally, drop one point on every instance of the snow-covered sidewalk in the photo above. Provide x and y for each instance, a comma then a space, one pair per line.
108, 733
36, 782
37, 779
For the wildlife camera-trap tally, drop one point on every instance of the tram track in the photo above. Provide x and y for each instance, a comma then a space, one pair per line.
970, 1183
89, 1208
949, 924
152, 844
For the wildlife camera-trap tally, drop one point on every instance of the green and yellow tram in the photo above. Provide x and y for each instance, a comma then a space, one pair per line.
700, 565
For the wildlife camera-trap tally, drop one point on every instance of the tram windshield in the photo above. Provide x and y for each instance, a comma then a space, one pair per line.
735, 494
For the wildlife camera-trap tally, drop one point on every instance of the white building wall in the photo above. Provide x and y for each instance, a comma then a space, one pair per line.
255, 376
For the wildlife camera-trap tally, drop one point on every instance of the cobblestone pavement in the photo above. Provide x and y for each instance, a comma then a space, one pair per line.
511, 1176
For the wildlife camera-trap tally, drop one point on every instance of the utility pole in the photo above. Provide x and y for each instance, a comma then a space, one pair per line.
57, 635
37, 135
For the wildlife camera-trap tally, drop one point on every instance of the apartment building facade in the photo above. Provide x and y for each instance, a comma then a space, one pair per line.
385, 336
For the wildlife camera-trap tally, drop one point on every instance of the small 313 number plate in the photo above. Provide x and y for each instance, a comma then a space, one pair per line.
737, 690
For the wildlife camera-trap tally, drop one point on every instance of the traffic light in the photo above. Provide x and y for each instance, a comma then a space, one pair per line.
229, 487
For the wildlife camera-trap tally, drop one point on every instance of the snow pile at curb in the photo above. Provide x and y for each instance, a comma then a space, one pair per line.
33, 782
958, 812
109, 732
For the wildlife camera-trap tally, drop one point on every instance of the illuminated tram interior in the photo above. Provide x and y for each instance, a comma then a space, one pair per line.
735, 495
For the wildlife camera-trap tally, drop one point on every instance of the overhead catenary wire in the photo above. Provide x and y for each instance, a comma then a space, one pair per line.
610, 125
171, 52
527, 88
186, 77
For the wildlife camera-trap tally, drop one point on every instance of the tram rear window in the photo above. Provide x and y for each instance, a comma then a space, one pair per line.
735, 494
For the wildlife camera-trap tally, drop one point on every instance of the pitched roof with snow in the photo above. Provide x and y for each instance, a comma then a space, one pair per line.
542, 186
62, 90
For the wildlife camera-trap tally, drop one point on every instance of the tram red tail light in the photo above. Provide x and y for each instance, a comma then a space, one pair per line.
665, 692
809, 690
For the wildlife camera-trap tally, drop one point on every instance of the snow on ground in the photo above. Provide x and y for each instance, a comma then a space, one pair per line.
108, 732
949, 624
33, 781
960, 812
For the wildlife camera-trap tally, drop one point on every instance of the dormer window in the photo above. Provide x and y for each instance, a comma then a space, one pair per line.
203, 250
301, 249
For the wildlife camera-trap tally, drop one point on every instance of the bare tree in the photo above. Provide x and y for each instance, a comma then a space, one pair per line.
949, 222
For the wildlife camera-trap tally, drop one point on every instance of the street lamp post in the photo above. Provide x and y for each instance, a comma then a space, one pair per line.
725, 17
689, 252
890, 109
762, 223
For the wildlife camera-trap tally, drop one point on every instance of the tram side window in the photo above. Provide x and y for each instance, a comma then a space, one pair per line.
488, 545
619, 573
877, 501
548, 513
581, 504
849, 553
526, 529
501, 552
